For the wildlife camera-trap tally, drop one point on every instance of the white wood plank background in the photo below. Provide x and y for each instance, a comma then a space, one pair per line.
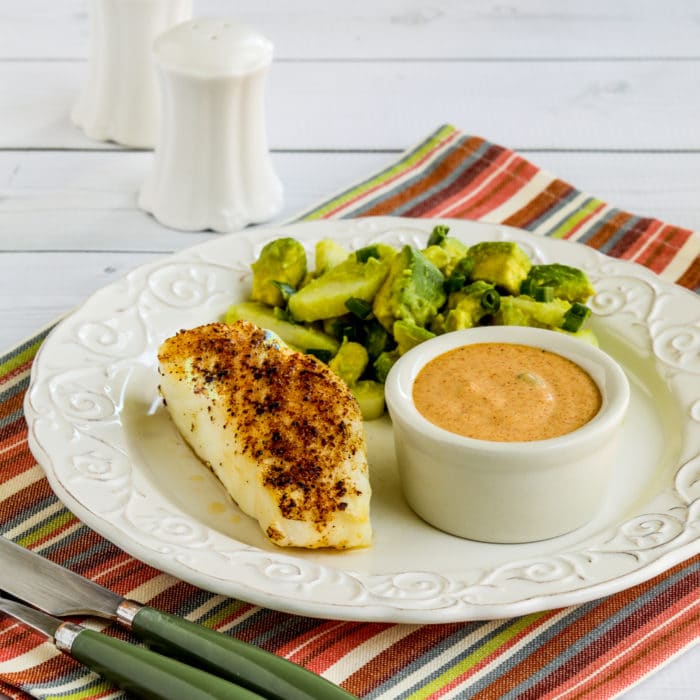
606, 94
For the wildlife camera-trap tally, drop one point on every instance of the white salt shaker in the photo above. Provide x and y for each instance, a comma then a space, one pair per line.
119, 101
212, 167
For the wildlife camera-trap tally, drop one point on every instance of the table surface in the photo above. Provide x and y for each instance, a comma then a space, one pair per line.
604, 94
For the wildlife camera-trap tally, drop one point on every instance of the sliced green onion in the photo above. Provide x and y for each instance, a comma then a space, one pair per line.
438, 235
344, 328
464, 267
377, 338
575, 317
454, 283
490, 301
364, 254
321, 353
528, 287
361, 308
543, 294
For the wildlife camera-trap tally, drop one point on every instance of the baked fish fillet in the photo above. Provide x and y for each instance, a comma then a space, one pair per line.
280, 430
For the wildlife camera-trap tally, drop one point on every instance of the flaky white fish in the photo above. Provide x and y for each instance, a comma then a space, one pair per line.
280, 430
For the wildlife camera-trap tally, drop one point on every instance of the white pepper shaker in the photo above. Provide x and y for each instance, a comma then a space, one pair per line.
119, 101
211, 165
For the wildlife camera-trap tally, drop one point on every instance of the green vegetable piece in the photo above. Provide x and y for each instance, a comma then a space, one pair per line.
325, 296
454, 283
350, 362
575, 317
502, 263
297, 336
407, 335
413, 290
466, 308
543, 293
490, 301
376, 338
359, 307
320, 353
384, 363
568, 283
281, 262
525, 311
584, 334
329, 253
438, 234
447, 255
366, 253
370, 396
286, 289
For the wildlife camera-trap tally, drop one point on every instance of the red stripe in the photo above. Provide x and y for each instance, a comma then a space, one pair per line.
506, 187
489, 166
621, 662
473, 173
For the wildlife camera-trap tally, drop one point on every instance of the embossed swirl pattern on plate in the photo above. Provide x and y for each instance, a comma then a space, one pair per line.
74, 413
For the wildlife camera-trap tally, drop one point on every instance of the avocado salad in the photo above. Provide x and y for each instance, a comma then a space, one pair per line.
360, 311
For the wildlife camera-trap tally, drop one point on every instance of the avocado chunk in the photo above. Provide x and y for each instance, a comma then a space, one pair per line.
413, 290
446, 254
407, 335
350, 362
566, 282
329, 253
525, 311
384, 363
502, 263
467, 308
370, 396
325, 296
281, 262
299, 337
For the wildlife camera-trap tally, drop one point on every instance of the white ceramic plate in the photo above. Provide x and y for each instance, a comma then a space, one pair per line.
112, 456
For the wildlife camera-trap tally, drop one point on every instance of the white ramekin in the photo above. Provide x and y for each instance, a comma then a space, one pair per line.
506, 492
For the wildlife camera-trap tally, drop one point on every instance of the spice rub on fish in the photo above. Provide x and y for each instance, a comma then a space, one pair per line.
279, 429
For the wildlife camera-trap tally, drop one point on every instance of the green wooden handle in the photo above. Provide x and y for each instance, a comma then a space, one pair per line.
145, 674
228, 657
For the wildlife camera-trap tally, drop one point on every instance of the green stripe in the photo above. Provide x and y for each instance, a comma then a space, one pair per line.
55, 523
95, 689
215, 619
20, 358
403, 164
575, 218
518, 625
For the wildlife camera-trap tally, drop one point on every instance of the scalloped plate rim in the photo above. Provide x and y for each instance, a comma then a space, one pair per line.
392, 611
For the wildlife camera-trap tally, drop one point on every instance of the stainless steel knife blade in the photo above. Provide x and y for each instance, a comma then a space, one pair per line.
39, 621
54, 589
58, 591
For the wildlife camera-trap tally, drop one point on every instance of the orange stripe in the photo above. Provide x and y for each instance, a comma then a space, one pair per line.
508, 185
445, 205
691, 277
668, 242
537, 207
441, 171
401, 173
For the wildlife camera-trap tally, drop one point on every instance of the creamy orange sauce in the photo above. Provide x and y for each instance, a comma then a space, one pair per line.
505, 392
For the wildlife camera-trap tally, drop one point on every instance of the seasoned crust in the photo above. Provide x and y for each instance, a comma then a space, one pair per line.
289, 412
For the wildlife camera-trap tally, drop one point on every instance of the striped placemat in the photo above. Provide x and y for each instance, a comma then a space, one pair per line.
594, 650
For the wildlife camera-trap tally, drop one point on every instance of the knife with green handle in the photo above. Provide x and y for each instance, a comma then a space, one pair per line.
141, 672
58, 591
